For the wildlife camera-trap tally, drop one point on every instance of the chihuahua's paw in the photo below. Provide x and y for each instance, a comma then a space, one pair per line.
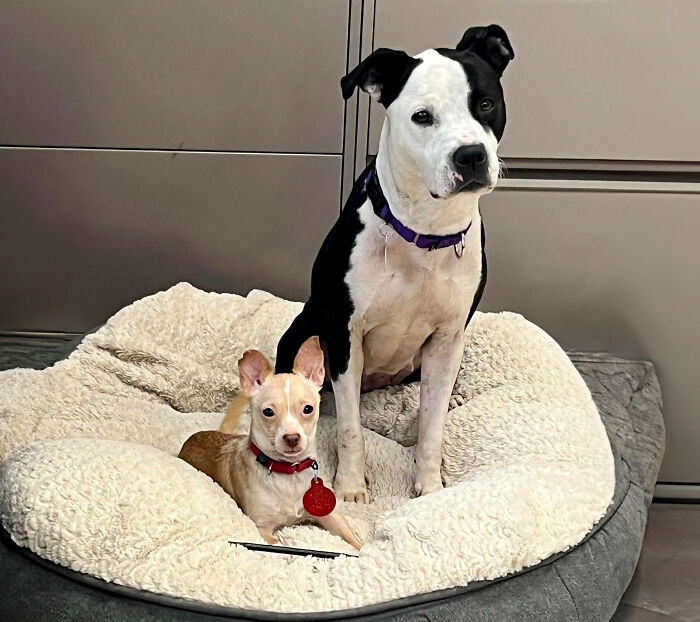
353, 492
268, 537
427, 483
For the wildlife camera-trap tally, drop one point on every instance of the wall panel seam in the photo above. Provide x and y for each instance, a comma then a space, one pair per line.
369, 109
577, 185
357, 108
179, 151
596, 163
345, 111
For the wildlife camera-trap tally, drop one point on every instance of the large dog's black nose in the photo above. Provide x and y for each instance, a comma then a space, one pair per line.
470, 161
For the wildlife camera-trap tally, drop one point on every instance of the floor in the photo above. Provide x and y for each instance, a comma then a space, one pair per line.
665, 588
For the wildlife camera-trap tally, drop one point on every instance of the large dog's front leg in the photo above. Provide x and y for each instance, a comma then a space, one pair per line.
440, 359
350, 477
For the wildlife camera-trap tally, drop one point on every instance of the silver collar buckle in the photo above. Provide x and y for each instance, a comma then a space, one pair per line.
459, 247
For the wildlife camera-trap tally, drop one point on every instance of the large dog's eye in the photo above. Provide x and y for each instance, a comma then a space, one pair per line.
422, 117
486, 105
268, 412
308, 409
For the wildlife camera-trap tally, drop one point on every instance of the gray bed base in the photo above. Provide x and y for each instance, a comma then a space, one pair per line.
582, 584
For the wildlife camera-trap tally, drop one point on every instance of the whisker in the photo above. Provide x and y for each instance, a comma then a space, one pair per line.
502, 168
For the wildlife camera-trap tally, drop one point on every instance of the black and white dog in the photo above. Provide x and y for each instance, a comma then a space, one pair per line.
401, 272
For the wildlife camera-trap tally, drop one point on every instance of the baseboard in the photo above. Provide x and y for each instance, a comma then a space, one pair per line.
677, 493
39, 334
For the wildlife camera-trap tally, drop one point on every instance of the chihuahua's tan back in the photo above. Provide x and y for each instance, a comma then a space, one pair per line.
233, 415
214, 453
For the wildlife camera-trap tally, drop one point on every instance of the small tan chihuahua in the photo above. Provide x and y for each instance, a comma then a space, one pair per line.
266, 470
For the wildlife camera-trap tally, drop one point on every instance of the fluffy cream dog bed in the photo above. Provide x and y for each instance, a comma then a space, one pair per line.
90, 479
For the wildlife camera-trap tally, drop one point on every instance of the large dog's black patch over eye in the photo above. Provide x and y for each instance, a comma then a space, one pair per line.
422, 117
486, 105
268, 412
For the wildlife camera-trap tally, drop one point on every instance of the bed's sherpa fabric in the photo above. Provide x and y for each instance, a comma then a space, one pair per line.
526, 459
597, 571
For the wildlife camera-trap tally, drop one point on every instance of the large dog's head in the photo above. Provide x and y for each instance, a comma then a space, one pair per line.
445, 109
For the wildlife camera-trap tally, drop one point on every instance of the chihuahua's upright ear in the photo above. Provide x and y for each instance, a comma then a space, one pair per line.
253, 370
382, 74
309, 361
489, 43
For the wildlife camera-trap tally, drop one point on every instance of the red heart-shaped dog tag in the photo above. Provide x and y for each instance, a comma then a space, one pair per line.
319, 500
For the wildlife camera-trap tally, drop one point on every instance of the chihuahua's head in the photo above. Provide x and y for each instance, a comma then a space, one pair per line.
284, 407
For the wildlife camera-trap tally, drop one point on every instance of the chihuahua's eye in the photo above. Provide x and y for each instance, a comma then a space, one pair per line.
486, 105
308, 409
422, 117
268, 412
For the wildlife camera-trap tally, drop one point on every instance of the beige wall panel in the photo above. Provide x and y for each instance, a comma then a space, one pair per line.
240, 75
618, 272
611, 79
86, 232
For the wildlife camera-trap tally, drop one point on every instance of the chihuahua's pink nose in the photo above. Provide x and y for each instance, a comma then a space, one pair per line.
291, 439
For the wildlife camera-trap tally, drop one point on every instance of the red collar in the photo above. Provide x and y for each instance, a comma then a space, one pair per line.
278, 466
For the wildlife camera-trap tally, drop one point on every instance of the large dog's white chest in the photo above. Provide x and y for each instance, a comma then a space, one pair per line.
402, 294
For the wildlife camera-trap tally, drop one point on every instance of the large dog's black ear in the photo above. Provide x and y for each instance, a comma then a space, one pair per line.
490, 43
382, 74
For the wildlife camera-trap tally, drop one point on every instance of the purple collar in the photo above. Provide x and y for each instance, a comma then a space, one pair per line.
429, 242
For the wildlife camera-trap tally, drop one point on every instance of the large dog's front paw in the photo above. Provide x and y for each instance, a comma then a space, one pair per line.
427, 483
456, 401
351, 488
